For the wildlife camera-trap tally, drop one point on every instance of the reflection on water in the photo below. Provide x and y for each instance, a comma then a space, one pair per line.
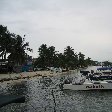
39, 98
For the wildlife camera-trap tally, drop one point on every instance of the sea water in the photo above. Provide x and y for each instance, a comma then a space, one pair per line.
42, 96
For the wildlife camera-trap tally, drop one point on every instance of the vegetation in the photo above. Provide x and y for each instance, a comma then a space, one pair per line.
106, 63
13, 47
48, 57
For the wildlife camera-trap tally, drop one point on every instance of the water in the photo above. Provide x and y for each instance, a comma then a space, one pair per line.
39, 98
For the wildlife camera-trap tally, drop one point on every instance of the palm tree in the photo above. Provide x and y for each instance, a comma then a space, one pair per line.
42, 59
70, 57
88, 61
18, 50
60, 60
47, 56
12, 46
81, 59
51, 56
5, 42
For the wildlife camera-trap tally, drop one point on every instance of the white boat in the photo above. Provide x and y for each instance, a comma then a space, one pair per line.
83, 83
94, 85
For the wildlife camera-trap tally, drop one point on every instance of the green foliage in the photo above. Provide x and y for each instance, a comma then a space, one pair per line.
48, 57
107, 63
12, 47
5, 41
81, 60
71, 58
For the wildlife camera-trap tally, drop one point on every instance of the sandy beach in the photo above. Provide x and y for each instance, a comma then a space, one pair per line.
26, 75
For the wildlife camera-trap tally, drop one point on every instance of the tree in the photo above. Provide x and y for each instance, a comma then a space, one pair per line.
51, 56
18, 51
88, 62
107, 63
13, 46
47, 56
42, 59
71, 58
5, 42
81, 59
60, 60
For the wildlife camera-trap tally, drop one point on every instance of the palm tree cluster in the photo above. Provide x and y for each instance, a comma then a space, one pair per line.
106, 63
49, 57
13, 47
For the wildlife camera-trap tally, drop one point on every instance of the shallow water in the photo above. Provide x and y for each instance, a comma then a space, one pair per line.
39, 97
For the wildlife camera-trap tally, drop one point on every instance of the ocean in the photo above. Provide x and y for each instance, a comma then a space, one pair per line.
42, 96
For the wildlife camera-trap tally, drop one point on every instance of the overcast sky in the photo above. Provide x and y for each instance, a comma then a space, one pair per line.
85, 25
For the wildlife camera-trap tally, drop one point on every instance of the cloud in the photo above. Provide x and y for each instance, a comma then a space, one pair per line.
84, 25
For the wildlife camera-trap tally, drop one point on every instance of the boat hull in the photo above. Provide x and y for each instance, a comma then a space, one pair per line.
89, 86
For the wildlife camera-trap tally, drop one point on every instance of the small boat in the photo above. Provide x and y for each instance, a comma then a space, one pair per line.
104, 68
97, 76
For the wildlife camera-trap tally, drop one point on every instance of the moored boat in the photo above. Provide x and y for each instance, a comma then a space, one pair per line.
104, 68
89, 82
99, 85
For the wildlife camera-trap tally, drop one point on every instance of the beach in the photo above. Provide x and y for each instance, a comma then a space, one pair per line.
26, 75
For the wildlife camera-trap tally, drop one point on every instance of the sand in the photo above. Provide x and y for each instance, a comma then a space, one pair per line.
15, 77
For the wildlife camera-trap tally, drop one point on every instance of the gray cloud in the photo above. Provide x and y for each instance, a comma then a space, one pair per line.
85, 25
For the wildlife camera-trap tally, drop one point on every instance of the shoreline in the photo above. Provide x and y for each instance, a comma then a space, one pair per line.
15, 77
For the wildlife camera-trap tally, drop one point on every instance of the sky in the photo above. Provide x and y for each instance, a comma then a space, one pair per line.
85, 25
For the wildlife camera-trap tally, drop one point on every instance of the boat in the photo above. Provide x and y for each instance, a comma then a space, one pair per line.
94, 85
99, 75
104, 68
91, 83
